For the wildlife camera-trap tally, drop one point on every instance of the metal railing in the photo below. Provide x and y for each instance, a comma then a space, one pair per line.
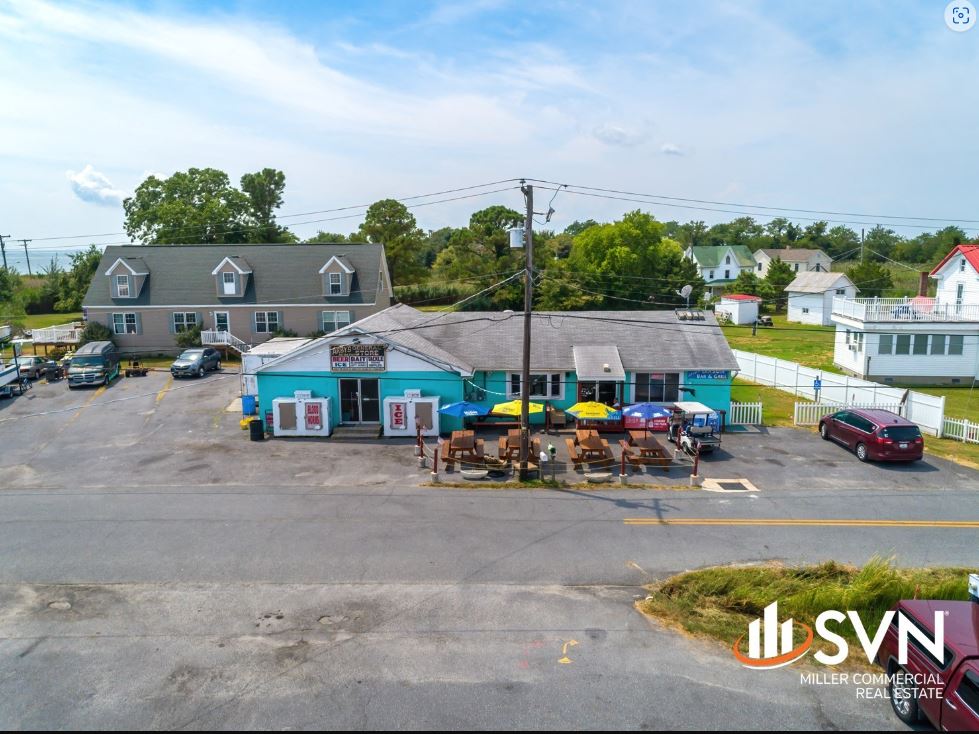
211, 337
62, 334
903, 309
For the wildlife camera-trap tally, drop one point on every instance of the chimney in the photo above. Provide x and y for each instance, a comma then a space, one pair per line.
923, 283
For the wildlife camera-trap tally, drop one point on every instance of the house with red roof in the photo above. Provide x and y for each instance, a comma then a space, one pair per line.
918, 340
739, 308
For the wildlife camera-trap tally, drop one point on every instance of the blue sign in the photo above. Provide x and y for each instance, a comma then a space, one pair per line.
817, 384
708, 375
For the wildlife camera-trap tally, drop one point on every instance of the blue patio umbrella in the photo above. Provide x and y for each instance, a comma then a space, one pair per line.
646, 412
464, 409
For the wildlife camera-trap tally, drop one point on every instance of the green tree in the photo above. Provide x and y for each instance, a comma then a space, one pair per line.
389, 222
332, 238
74, 284
9, 284
630, 264
264, 190
880, 242
779, 275
576, 227
189, 338
96, 331
746, 282
842, 241
196, 206
872, 278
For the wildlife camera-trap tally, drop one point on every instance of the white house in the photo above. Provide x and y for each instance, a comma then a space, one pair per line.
799, 259
720, 265
811, 296
739, 308
919, 340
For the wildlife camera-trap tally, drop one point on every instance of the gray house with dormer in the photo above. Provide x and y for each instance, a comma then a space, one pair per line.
239, 294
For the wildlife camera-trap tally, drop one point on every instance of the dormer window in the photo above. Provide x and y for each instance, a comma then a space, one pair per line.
336, 284
228, 284
338, 275
727, 260
122, 286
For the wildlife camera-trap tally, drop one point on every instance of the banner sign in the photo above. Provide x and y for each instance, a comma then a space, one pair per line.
357, 358
314, 417
708, 375
399, 419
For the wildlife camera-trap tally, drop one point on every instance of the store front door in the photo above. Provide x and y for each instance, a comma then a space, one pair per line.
359, 401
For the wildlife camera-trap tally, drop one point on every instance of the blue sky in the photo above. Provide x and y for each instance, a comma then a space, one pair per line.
861, 107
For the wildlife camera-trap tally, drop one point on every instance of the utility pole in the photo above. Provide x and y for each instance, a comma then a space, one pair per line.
528, 298
29, 274
861, 244
3, 250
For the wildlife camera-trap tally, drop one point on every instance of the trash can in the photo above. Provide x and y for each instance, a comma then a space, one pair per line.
256, 430
248, 405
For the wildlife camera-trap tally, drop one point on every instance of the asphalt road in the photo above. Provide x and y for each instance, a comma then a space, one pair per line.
157, 571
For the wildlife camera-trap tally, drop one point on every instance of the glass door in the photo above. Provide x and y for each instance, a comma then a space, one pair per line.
370, 404
349, 401
221, 321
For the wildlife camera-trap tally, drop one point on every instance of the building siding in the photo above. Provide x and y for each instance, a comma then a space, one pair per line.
952, 277
922, 369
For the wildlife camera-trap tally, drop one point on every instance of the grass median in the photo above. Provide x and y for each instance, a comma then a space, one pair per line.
720, 602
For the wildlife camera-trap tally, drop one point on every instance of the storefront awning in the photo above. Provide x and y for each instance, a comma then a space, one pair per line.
598, 363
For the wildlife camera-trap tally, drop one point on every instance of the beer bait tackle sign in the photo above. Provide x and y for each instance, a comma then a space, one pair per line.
357, 358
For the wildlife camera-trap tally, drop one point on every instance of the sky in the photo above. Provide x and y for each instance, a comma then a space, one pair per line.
867, 107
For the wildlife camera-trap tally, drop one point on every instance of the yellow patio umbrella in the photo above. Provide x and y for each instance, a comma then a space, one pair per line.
513, 407
594, 411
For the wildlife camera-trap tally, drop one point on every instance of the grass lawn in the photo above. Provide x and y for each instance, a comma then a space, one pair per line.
778, 406
720, 602
803, 343
42, 320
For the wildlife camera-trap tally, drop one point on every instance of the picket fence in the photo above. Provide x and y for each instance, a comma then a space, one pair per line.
960, 430
745, 414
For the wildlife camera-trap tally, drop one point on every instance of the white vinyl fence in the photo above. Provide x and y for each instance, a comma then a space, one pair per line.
745, 414
809, 414
928, 411
960, 430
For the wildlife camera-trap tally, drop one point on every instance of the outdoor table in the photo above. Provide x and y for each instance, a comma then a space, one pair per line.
636, 435
584, 433
649, 446
509, 445
593, 448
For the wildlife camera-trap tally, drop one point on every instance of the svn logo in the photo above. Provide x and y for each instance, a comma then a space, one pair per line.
772, 644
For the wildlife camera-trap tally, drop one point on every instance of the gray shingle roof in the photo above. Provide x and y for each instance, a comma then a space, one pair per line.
791, 254
490, 340
180, 275
818, 282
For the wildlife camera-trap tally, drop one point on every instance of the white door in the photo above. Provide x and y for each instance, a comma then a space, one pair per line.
228, 281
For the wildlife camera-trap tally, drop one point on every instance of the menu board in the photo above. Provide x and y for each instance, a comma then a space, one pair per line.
357, 358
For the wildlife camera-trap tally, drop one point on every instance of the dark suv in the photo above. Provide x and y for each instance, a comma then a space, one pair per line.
196, 361
877, 435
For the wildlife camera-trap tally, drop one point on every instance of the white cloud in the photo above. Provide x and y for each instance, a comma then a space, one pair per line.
671, 149
618, 135
91, 186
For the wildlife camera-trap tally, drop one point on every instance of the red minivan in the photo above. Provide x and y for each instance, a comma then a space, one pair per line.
877, 435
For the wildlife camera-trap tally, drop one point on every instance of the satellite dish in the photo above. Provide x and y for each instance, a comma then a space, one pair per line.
685, 293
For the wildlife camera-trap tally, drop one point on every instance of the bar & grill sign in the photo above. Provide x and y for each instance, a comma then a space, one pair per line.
357, 358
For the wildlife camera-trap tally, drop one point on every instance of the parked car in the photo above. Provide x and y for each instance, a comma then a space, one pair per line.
874, 435
765, 321
31, 367
196, 361
906, 311
95, 363
956, 676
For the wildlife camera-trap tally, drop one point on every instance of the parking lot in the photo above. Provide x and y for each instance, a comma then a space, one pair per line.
154, 431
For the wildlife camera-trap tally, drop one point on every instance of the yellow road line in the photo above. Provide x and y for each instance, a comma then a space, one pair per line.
163, 390
84, 405
806, 523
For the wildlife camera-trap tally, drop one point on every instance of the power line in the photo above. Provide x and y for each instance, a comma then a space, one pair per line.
757, 206
310, 213
649, 202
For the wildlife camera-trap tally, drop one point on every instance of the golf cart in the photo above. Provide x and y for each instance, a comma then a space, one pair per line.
698, 429
765, 321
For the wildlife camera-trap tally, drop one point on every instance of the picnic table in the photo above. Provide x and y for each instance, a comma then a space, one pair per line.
594, 448
464, 447
508, 446
648, 446
584, 433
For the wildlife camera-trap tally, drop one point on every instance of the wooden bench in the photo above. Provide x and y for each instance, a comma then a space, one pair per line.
573, 453
636, 460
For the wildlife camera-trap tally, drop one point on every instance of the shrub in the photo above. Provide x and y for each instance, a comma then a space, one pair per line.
95, 331
284, 332
189, 338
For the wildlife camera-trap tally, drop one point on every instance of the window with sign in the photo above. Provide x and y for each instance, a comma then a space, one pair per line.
543, 385
124, 323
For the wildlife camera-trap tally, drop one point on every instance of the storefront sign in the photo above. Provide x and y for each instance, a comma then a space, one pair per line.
399, 418
314, 418
357, 358
708, 375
